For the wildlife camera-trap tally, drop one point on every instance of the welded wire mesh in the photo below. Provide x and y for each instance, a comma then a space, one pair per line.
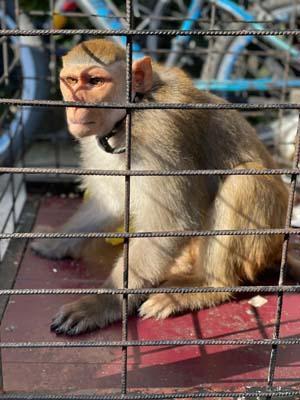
270, 391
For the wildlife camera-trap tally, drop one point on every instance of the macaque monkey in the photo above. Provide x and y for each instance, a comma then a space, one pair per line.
94, 71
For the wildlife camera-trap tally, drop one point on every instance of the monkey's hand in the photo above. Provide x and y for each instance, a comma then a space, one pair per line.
56, 249
86, 314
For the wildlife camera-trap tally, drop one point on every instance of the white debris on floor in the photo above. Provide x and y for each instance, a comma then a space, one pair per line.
257, 301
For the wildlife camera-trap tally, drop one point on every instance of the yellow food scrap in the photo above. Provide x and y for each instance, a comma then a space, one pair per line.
112, 241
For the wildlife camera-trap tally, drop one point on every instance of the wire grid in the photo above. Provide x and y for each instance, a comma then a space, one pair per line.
14, 187
270, 391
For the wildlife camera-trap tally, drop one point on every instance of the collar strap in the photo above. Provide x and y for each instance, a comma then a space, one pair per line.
103, 142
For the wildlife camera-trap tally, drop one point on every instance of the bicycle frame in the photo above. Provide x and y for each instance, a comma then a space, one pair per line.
102, 9
13, 136
226, 84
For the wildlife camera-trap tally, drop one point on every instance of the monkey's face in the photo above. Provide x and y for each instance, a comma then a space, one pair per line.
93, 84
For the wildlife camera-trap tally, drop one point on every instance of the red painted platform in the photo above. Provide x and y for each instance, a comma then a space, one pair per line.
156, 369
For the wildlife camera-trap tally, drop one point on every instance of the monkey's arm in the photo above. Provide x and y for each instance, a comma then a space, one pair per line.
90, 217
148, 261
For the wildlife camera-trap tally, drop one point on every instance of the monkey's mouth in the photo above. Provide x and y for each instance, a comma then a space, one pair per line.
81, 122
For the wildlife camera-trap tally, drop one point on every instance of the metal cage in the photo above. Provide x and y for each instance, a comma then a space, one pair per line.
15, 173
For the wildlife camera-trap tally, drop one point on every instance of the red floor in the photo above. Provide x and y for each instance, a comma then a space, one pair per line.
158, 369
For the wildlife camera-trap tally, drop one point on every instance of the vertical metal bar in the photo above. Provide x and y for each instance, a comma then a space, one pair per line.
12, 176
4, 45
283, 266
17, 13
53, 69
6, 83
211, 39
11, 150
17, 21
284, 90
52, 45
5, 41
129, 17
22, 128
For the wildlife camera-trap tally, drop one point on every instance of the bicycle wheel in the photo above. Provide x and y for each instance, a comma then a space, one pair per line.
110, 14
186, 52
254, 58
28, 80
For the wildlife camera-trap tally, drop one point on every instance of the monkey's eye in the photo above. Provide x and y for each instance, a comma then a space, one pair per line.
71, 80
96, 80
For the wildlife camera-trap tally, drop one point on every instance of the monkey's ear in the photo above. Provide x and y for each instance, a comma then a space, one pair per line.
142, 75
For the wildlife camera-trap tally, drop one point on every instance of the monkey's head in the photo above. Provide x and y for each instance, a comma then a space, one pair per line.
95, 71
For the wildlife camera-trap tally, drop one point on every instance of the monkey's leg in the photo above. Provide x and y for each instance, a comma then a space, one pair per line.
246, 202
90, 217
148, 262
163, 305
243, 202
186, 271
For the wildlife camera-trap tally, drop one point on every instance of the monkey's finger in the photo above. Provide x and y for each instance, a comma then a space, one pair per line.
59, 328
76, 325
60, 318
83, 326
66, 322
56, 327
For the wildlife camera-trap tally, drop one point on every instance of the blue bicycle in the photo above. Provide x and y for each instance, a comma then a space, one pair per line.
28, 66
243, 69
220, 70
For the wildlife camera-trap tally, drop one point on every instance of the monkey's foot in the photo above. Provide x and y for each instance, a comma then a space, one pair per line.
54, 249
84, 315
159, 306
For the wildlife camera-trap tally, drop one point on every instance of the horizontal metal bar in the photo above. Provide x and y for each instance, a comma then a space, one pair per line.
162, 32
180, 172
148, 343
205, 51
78, 14
153, 106
274, 392
158, 234
238, 85
147, 291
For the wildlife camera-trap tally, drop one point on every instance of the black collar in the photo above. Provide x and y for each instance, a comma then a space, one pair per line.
103, 142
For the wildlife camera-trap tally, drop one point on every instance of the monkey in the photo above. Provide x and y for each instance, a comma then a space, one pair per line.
164, 139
